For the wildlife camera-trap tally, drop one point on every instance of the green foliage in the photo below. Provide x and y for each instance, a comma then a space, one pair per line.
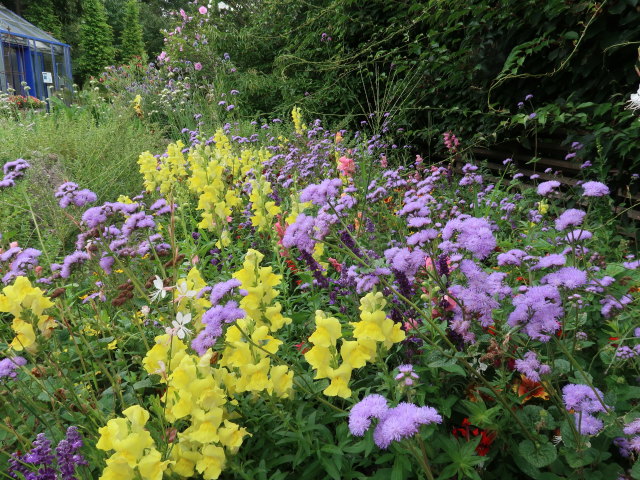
96, 40
42, 15
131, 44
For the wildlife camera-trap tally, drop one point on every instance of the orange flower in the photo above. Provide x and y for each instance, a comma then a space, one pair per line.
529, 389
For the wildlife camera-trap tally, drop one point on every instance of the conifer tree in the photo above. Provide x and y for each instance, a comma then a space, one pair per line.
96, 39
42, 15
132, 44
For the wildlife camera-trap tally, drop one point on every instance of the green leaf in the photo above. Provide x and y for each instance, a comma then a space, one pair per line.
539, 456
635, 470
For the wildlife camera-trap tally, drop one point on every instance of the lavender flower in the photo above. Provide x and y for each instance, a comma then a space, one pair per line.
473, 234
213, 320
407, 376
8, 366
371, 406
321, 193
69, 193
568, 277
595, 189
571, 217
539, 309
531, 367
402, 422
545, 188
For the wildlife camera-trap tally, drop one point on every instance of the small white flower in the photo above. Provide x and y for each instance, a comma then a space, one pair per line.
634, 101
183, 291
180, 329
161, 290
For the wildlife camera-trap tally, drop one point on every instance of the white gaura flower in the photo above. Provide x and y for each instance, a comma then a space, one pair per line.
161, 290
634, 101
179, 328
182, 291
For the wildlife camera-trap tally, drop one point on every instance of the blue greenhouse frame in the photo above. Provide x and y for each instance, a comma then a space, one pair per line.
31, 57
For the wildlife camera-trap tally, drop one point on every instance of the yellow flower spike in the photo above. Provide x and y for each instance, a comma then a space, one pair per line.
112, 434
157, 359
184, 460
339, 386
328, 330
254, 377
372, 302
282, 380
137, 415
368, 330
211, 463
25, 336
151, 466
357, 354
205, 431
275, 318
117, 469
319, 358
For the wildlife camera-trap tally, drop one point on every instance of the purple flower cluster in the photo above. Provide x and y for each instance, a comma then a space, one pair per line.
12, 171
539, 310
531, 367
473, 234
406, 375
477, 300
9, 365
545, 188
19, 261
585, 402
394, 424
38, 463
70, 192
321, 193
571, 217
595, 189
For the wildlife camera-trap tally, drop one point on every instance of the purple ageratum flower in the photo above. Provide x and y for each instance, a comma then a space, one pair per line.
473, 234
371, 406
632, 428
477, 300
8, 366
403, 421
135, 222
69, 193
531, 367
321, 193
545, 188
70, 260
595, 189
512, 257
300, 234
539, 310
571, 217
568, 277
423, 236
213, 320
583, 399
552, 260
219, 290
405, 261
578, 235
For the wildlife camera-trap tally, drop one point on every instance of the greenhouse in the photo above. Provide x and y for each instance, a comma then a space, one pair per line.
32, 62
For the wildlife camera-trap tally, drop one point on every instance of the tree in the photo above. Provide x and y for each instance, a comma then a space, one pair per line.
42, 15
132, 44
96, 39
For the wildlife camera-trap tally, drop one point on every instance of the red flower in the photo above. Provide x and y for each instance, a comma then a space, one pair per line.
467, 430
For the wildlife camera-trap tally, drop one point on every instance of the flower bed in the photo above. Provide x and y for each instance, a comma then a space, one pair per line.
287, 300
